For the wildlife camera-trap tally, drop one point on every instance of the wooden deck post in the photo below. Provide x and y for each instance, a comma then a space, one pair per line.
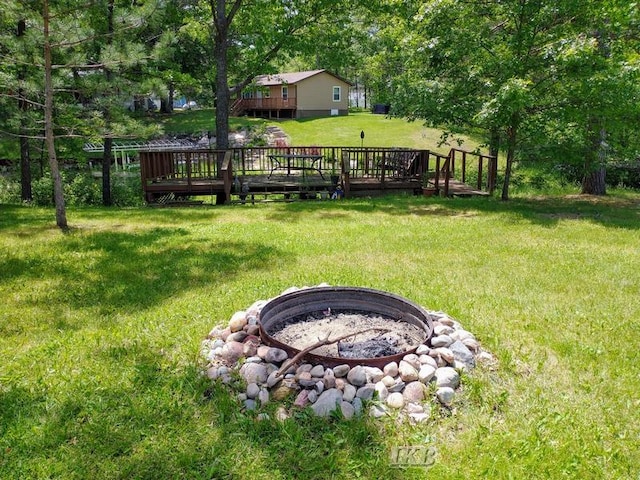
227, 175
346, 170
447, 175
464, 167
437, 177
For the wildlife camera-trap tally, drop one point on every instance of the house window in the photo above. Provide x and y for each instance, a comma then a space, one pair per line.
337, 94
285, 93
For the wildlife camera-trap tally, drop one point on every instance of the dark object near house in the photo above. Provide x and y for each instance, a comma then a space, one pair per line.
380, 109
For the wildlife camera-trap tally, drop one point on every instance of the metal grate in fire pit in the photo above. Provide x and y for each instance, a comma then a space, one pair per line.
384, 326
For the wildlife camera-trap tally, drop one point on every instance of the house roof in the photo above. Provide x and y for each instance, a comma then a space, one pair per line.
291, 78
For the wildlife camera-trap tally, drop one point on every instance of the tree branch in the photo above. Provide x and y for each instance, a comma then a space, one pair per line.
321, 342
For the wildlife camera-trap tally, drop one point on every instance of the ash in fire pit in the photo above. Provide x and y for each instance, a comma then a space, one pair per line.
373, 336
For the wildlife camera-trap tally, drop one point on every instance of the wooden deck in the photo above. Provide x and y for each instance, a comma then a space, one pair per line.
239, 175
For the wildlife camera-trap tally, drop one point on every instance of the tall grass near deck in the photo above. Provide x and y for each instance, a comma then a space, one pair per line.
100, 332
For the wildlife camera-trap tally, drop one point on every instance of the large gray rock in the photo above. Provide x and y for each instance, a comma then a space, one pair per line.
254, 372
426, 373
349, 392
341, 370
357, 376
275, 355
382, 391
348, 410
357, 405
327, 402
253, 390
447, 377
445, 395
366, 391
317, 371
462, 354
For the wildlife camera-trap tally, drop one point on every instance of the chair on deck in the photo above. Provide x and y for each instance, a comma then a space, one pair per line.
401, 163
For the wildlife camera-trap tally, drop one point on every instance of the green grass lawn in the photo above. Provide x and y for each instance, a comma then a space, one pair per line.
100, 332
200, 120
379, 131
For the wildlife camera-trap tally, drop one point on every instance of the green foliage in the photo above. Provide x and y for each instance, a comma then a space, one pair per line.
81, 188
549, 79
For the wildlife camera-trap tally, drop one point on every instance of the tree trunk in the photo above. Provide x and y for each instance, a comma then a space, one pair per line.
511, 150
107, 154
594, 176
222, 82
593, 183
23, 105
494, 142
107, 158
25, 166
58, 194
166, 104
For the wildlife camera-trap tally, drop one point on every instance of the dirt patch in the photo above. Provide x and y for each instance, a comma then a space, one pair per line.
383, 336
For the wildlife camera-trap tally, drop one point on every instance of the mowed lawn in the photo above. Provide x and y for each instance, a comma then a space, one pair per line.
100, 332
379, 131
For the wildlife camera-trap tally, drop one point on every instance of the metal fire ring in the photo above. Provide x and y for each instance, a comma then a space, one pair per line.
364, 300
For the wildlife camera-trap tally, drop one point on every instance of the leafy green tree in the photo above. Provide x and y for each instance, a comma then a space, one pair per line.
20, 86
108, 51
500, 66
249, 35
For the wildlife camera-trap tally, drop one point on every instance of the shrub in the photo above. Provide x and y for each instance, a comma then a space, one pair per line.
81, 188
9, 189
126, 191
42, 190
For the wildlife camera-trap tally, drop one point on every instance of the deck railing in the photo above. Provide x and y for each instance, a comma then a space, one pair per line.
268, 103
350, 163
479, 161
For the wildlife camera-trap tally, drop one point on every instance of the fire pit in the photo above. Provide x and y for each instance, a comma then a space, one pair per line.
374, 327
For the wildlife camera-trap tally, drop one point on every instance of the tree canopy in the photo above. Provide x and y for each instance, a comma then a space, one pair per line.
543, 81
533, 74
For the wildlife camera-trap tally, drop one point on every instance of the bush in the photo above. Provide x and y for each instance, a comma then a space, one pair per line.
42, 190
9, 189
126, 191
623, 175
81, 188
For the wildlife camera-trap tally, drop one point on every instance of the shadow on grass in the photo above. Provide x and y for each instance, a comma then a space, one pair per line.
113, 270
616, 211
168, 422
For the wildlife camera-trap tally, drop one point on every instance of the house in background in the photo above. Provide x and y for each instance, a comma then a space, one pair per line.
314, 93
